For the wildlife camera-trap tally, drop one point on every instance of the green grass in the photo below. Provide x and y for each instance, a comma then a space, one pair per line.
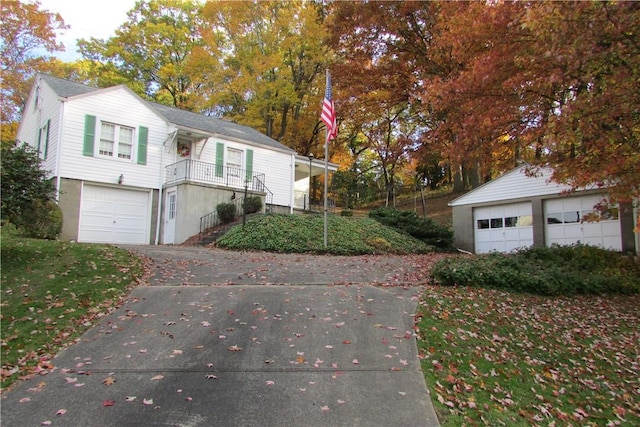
305, 233
496, 358
51, 293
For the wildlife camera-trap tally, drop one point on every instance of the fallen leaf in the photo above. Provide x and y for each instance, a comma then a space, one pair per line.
25, 400
157, 377
234, 348
147, 401
46, 423
211, 377
108, 381
61, 412
130, 398
270, 382
324, 408
108, 403
355, 362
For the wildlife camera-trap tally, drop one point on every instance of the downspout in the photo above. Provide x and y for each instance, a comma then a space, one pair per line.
170, 138
292, 178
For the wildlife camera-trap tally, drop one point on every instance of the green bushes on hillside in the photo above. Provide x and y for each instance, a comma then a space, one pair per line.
408, 222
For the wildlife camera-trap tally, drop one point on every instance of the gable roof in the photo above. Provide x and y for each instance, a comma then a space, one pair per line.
211, 125
66, 88
515, 184
214, 126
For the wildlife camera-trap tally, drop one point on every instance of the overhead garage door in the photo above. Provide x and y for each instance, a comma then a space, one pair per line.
113, 215
503, 228
565, 223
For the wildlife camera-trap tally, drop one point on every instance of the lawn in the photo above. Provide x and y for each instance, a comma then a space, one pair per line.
492, 357
51, 293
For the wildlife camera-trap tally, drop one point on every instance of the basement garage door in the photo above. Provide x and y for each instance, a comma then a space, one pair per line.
566, 224
113, 215
503, 228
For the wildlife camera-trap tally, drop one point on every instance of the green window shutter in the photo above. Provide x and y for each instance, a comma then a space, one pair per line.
89, 135
219, 159
46, 139
143, 136
249, 165
38, 141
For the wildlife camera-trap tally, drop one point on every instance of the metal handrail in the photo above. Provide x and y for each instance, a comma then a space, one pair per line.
211, 173
268, 201
211, 219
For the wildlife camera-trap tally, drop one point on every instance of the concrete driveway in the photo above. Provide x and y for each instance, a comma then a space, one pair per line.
193, 350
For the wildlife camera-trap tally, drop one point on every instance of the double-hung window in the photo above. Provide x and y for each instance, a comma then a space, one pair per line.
43, 140
234, 162
116, 141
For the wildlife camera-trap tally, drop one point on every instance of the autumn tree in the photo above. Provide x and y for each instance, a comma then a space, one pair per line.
28, 35
551, 83
271, 62
381, 49
151, 52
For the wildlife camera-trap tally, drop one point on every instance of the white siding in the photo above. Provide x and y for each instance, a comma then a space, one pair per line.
118, 106
275, 165
512, 185
35, 116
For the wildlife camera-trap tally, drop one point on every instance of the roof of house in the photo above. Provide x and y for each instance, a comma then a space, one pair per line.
212, 125
515, 184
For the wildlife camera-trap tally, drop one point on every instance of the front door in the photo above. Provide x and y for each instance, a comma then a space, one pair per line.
170, 217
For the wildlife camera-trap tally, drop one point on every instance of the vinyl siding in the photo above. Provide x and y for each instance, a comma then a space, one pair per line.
35, 118
511, 186
275, 165
120, 107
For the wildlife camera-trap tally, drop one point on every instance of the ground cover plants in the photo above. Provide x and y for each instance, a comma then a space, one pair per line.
558, 270
305, 233
492, 357
51, 293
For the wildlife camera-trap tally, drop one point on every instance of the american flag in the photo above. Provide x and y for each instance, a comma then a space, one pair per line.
328, 115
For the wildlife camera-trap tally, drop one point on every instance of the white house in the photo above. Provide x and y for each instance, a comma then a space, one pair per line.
135, 172
516, 211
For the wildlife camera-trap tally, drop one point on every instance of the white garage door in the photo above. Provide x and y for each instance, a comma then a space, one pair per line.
113, 215
503, 228
565, 223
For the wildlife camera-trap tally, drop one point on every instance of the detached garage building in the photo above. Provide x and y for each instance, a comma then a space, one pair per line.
517, 211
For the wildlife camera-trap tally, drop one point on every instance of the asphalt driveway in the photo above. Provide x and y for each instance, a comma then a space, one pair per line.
243, 339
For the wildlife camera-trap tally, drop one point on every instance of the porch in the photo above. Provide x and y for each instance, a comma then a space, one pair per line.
211, 173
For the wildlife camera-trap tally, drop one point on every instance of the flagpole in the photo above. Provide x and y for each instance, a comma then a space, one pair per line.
326, 185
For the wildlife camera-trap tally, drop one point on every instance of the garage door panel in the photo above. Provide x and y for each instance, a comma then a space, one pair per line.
113, 215
507, 227
573, 229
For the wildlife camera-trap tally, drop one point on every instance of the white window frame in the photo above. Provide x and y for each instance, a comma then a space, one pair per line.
234, 169
118, 144
43, 141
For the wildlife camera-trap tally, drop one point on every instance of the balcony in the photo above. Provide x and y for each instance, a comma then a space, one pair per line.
210, 173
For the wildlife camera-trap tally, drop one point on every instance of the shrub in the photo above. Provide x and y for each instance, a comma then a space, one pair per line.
252, 204
346, 212
424, 229
226, 212
379, 244
559, 270
42, 221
